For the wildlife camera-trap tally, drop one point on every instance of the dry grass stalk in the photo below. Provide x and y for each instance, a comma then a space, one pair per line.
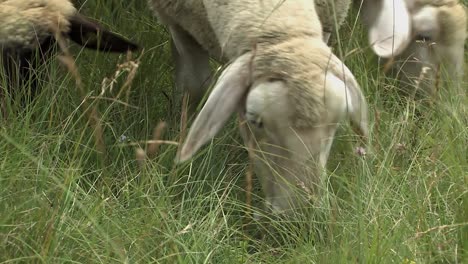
249, 175
439, 228
113, 100
93, 115
250, 170
377, 129
182, 135
131, 76
183, 122
437, 80
424, 72
153, 146
140, 157
243, 128
95, 121
388, 65
68, 61
130, 66
160, 142
3, 106
248, 179
49, 232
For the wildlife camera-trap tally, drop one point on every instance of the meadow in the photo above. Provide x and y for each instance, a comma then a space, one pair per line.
76, 185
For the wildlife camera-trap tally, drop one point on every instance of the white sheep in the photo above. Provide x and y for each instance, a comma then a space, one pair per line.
27, 35
283, 80
431, 36
421, 37
194, 78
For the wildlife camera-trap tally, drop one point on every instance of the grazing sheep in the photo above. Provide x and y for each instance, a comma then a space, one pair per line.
195, 78
433, 34
283, 80
28, 31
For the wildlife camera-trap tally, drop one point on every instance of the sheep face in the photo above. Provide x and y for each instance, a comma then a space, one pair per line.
288, 160
289, 151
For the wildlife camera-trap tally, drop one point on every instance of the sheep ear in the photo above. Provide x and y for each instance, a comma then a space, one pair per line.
227, 96
91, 34
356, 102
389, 26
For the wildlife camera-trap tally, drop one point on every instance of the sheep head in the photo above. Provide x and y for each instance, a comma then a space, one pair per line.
28, 32
290, 137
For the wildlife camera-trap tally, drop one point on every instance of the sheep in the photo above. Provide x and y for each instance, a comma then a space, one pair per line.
28, 29
194, 78
289, 89
432, 33
420, 35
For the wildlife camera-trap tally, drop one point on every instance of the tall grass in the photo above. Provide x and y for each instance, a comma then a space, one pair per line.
405, 202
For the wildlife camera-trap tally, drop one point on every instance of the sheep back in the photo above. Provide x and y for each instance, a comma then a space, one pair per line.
191, 16
240, 25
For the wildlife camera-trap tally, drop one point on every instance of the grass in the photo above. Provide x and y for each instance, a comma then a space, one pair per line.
62, 201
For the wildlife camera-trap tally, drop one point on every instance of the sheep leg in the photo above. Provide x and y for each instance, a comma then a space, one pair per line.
192, 68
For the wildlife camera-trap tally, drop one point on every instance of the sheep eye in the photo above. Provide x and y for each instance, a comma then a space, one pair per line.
254, 120
257, 123
423, 38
